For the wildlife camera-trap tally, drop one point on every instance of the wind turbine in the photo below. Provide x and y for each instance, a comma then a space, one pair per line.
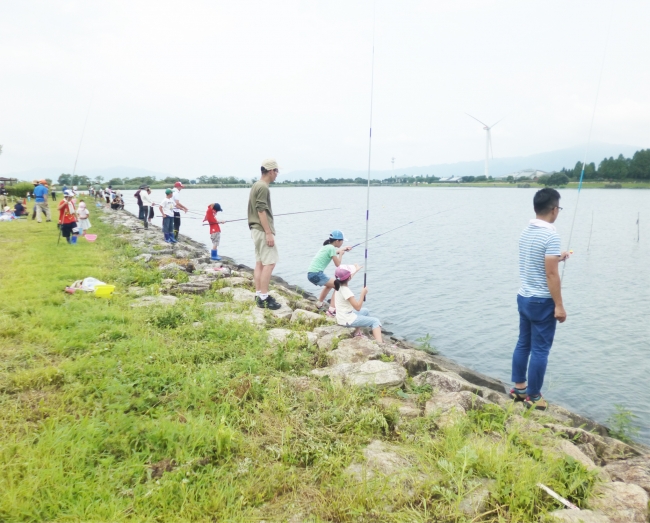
488, 142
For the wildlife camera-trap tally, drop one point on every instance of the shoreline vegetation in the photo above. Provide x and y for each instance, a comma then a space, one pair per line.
611, 173
178, 400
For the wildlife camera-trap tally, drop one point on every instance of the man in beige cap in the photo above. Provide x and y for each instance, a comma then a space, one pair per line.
260, 222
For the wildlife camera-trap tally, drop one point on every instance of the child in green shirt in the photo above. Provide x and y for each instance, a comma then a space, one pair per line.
331, 250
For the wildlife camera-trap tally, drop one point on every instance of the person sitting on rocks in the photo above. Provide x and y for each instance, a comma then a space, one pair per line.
350, 311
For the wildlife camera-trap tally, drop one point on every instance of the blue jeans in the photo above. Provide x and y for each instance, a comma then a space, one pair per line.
536, 332
318, 278
364, 320
168, 225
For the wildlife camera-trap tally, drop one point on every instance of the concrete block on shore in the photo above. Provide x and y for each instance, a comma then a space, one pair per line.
373, 372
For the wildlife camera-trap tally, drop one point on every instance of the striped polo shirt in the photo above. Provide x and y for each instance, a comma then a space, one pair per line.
537, 241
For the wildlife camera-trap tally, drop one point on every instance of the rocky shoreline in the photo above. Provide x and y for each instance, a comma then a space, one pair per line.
623, 469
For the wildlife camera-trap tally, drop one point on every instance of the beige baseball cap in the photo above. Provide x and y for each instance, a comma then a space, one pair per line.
269, 164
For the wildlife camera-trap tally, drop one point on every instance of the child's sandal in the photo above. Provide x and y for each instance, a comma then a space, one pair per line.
518, 394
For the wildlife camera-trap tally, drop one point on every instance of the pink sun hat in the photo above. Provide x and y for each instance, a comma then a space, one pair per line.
345, 272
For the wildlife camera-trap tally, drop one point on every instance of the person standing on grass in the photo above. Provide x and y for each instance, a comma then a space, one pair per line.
330, 251
68, 217
147, 204
3, 196
178, 207
40, 202
539, 299
260, 222
167, 209
83, 214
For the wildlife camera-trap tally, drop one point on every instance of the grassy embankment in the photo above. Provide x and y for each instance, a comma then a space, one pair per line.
113, 413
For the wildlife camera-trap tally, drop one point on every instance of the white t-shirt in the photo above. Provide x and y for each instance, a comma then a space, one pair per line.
345, 312
168, 206
176, 196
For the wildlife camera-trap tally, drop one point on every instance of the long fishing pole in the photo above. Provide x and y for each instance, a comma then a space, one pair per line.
74, 169
282, 214
372, 87
591, 128
404, 225
638, 227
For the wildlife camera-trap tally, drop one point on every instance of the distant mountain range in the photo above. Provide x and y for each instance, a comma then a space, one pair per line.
548, 161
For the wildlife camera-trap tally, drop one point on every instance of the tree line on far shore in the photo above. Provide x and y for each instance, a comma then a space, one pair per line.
636, 168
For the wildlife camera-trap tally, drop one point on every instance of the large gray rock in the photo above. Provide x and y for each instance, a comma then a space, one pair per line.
336, 330
451, 406
476, 378
414, 361
578, 516
239, 295
285, 311
303, 316
374, 372
621, 502
444, 381
476, 501
355, 350
235, 281
143, 257
379, 458
191, 288
148, 301
172, 267
635, 470
277, 336
406, 409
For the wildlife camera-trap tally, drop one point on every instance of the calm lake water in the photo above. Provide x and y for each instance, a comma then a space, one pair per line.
455, 277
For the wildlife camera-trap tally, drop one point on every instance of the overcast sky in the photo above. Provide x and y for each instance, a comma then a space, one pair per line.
213, 87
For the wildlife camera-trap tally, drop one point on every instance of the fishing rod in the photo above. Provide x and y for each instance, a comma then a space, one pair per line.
283, 214
372, 90
74, 169
404, 225
591, 128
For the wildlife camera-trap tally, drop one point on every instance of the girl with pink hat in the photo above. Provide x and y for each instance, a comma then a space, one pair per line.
350, 311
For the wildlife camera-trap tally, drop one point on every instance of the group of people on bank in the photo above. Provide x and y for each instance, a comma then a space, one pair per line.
539, 299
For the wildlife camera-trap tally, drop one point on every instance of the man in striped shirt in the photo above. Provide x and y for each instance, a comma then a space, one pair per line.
539, 299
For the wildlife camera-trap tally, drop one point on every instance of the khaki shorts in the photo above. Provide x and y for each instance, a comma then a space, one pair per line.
263, 253
216, 238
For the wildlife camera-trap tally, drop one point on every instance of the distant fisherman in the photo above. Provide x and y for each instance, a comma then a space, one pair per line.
178, 207
147, 205
260, 222
539, 299
167, 209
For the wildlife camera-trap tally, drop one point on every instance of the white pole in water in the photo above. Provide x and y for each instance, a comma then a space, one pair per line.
638, 227
372, 81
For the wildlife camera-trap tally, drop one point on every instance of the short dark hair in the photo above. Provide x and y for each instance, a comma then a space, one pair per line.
546, 200
264, 170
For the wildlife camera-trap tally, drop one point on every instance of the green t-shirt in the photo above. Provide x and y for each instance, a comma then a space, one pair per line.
260, 200
322, 259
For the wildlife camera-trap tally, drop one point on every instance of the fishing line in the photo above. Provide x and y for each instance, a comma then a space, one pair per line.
591, 127
74, 170
372, 87
591, 230
404, 225
282, 214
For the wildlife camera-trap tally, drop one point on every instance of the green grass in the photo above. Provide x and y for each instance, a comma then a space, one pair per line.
114, 413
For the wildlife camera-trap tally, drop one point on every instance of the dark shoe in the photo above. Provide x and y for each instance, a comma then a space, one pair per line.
538, 403
268, 303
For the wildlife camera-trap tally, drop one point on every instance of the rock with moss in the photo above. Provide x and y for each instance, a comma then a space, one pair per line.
621, 502
374, 372
355, 350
